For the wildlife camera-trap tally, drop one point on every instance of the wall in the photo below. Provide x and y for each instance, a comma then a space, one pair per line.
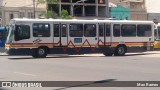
20, 9
120, 12
152, 16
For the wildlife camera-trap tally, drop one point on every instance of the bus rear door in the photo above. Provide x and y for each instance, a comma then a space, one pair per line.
104, 34
60, 34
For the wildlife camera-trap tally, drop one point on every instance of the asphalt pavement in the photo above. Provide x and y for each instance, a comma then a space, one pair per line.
88, 67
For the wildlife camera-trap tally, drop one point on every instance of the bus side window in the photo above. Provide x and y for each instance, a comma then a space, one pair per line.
158, 33
101, 30
76, 30
41, 30
64, 30
1, 33
108, 29
90, 30
128, 30
144, 30
56, 30
116, 30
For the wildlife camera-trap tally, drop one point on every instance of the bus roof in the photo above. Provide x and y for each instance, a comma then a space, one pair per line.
78, 20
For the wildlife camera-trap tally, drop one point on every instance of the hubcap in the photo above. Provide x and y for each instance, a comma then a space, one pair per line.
120, 50
41, 51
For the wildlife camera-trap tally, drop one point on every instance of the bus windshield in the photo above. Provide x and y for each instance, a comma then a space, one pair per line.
158, 33
10, 34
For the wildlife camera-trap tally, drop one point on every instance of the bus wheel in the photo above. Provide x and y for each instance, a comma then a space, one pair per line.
108, 54
41, 52
120, 50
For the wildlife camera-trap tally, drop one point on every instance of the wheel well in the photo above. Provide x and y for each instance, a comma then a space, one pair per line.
122, 45
45, 47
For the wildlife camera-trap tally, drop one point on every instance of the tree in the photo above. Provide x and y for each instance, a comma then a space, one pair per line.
53, 14
65, 15
48, 13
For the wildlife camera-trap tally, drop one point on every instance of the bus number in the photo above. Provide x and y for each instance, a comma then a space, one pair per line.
77, 40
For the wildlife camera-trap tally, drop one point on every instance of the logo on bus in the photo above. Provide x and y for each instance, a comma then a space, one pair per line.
37, 41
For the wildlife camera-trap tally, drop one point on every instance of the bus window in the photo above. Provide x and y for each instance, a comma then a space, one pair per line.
128, 30
108, 29
116, 30
158, 33
90, 30
41, 30
56, 30
76, 30
22, 32
155, 34
64, 30
144, 30
3, 33
101, 30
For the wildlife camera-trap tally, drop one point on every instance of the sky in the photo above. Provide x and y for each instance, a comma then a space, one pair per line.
153, 6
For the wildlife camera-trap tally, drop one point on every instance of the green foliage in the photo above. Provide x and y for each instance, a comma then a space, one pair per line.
47, 1
51, 14
52, 1
65, 15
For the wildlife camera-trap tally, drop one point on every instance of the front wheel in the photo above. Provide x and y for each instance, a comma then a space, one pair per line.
40, 53
120, 51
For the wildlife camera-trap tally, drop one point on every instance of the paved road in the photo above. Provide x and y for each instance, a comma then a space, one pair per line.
93, 67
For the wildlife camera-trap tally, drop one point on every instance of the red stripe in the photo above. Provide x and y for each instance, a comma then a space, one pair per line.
82, 44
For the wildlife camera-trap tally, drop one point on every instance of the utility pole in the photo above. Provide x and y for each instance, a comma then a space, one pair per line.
34, 9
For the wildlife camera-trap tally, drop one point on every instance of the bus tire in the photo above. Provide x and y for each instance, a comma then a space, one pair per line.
108, 54
41, 52
120, 50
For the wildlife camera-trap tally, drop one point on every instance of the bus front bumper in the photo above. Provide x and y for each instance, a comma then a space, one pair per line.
22, 51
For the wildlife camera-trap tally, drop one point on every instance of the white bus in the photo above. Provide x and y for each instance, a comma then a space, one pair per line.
39, 37
157, 37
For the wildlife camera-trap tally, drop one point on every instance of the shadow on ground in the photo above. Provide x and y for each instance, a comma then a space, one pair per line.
74, 56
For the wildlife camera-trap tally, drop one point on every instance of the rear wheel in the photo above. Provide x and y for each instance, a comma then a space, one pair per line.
120, 50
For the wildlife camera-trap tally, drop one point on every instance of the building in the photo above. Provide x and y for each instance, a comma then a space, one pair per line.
85, 9
119, 12
20, 9
153, 10
1, 7
137, 8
